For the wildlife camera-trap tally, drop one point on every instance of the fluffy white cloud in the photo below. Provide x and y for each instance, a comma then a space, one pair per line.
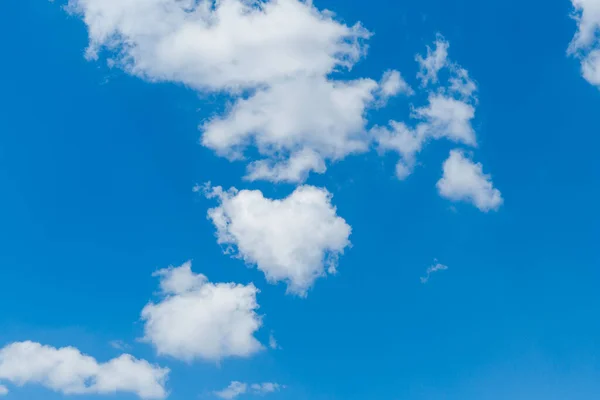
199, 319
214, 45
393, 83
585, 44
296, 124
448, 114
273, 57
295, 240
434, 268
236, 389
68, 371
464, 180
3, 390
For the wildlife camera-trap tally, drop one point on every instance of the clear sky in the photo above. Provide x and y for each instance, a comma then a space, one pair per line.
339, 201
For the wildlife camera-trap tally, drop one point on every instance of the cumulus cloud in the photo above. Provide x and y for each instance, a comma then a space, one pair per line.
434, 268
448, 113
393, 83
585, 44
66, 370
295, 240
296, 125
197, 319
464, 180
236, 389
216, 45
274, 58
3, 390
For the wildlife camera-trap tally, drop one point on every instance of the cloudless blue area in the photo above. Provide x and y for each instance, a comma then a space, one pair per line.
96, 172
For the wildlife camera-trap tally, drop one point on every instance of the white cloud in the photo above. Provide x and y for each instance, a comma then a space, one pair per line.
296, 240
232, 391
448, 114
433, 62
274, 58
464, 180
585, 44
3, 390
297, 125
392, 84
236, 389
434, 268
68, 371
197, 319
216, 45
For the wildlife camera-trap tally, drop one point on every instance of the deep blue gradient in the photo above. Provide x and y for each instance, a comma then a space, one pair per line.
96, 171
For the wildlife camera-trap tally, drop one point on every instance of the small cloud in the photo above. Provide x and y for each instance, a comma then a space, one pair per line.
232, 391
237, 388
3, 390
120, 345
273, 342
266, 387
434, 268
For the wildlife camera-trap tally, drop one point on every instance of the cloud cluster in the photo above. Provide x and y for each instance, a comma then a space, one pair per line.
237, 388
464, 180
273, 57
197, 319
585, 44
448, 113
68, 371
295, 240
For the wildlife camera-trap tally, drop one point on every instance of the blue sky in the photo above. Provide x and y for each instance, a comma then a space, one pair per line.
98, 163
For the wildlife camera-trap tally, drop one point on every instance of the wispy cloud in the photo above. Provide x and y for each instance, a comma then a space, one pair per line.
434, 268
237, 388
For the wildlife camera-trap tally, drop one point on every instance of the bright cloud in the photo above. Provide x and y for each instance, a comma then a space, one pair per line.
217, 45
433, 269
585, 44
236, 389
393, 83
448, 114
297, 125
296, 240
273, 57
68, 371
197, 319
464, 180
3, 390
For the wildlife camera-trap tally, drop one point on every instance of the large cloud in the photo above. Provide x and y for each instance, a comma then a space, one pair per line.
68, 371
197, 319
274, 58
585, 44
299, 124
224, 44
295, 240
464, 180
